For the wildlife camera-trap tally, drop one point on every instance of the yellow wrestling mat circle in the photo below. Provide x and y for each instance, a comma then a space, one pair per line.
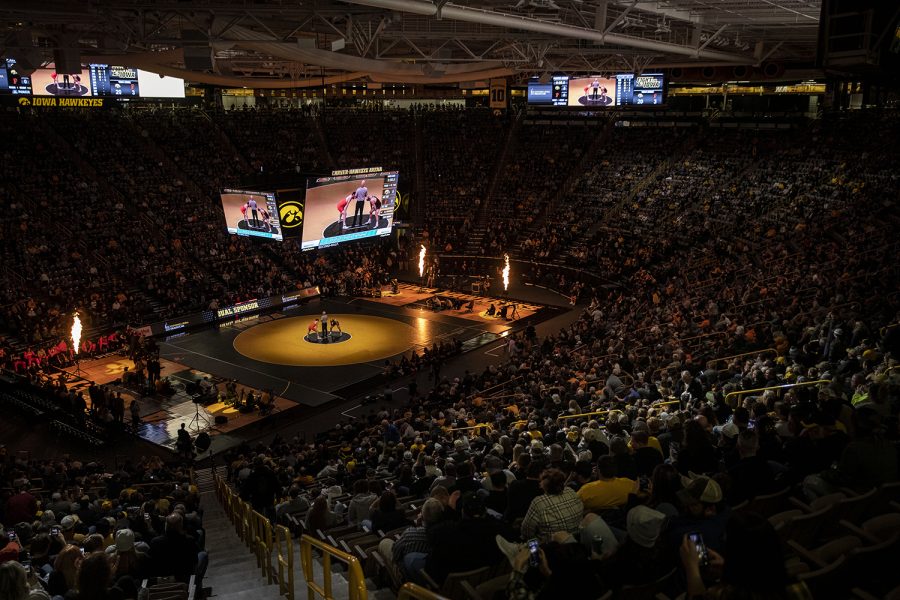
282, 342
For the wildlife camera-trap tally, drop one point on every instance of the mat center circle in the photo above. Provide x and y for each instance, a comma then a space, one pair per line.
333, 337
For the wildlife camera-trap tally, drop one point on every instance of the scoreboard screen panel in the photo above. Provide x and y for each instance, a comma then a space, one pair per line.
348, 207
594, 92
252, 214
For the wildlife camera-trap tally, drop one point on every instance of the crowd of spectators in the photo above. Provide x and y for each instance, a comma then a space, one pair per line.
752, 260
89, 531
538, 162
677, 443
146, 242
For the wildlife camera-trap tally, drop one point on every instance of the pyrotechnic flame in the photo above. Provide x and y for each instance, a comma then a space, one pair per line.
506, 272
422, 260
76, 332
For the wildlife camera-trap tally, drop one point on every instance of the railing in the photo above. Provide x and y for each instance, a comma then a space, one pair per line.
477, 428
354, 570
713, 361
255, 530
486, 392
590, 414
739, 393
262, 537
666, 403
411, 591
284, 546
696, 338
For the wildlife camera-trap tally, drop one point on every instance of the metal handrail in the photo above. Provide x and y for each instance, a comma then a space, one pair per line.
485, 391
775, 387
479, 427
666, 403
411, 591
356, 579
729, 358
590, 414
701, 336
285, 560
262, 543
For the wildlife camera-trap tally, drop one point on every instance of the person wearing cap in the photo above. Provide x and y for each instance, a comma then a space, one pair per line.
67, 526
9, 548
702, 511
127, 559
641, 557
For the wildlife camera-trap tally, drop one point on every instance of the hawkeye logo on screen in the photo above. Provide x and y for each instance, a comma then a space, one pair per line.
62, 102
290, 214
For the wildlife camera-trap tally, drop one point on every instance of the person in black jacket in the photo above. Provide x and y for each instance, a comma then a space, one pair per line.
467, 544
261, 487
174, 553
523, 491
386, 517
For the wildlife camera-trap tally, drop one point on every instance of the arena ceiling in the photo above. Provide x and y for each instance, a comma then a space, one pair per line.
297, 43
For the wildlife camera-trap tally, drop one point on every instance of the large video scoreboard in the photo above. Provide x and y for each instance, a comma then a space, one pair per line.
95, 80
621, 89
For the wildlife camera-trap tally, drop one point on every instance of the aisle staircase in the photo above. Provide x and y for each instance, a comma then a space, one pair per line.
249, 559
233, 571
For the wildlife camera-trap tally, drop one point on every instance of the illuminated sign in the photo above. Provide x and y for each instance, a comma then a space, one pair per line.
53, 102
237, 309
356, 171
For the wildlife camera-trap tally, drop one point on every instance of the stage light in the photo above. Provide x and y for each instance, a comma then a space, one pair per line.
422, 261
506, 273
76, 332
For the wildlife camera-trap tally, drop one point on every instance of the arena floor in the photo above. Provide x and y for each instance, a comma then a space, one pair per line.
312, 382
371, 338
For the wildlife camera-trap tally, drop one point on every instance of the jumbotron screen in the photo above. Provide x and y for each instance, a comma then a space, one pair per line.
98, 80
622, 89
348, 207
252, 214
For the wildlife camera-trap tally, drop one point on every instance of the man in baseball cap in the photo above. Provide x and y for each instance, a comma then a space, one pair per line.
702, 512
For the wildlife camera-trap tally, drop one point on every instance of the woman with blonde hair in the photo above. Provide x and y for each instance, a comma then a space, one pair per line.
14, 584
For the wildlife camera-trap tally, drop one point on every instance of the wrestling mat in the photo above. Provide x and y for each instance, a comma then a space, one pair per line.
336, 228
283, 342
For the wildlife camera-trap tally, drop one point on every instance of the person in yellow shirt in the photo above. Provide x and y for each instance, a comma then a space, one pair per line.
417, 446
608, 491
652, 441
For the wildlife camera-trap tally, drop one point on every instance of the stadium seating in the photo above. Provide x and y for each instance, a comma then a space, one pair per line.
749, 329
